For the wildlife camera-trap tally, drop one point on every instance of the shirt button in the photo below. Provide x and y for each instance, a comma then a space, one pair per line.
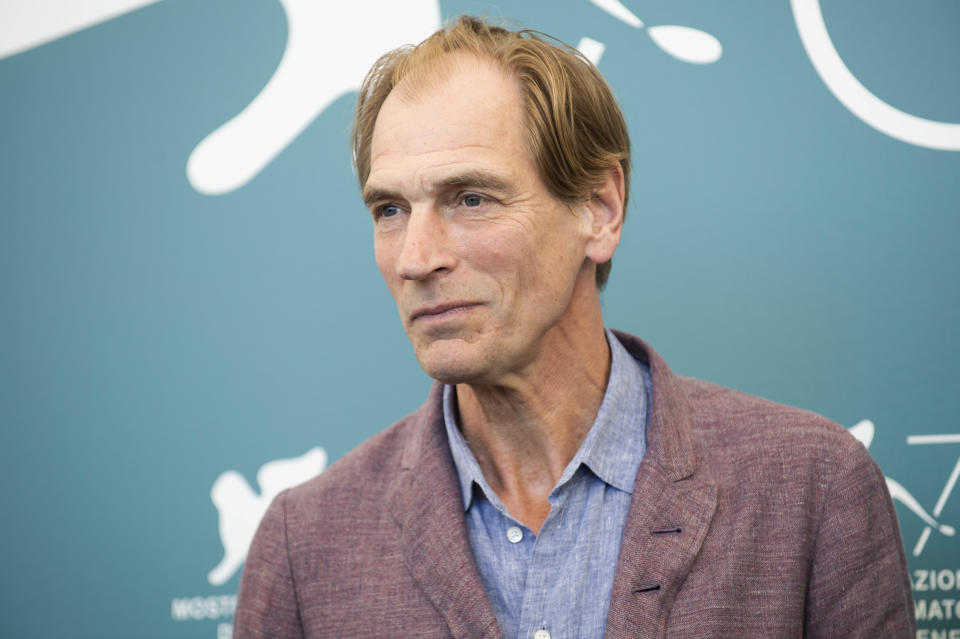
514, 535
541, 634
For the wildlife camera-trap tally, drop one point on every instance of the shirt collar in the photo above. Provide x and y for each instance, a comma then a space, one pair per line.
468, 469
613, 447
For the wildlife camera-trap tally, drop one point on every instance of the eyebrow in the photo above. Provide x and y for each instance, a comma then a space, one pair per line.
467, 179
475, 179
374, 194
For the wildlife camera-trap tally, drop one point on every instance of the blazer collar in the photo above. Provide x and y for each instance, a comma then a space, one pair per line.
670, 427
427, 503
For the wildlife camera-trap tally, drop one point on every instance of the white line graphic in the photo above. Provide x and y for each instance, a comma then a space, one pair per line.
864, 431
683, 43
330, 46
858, 99
618, 11
938, 508
953, 438
25, 25
591, 49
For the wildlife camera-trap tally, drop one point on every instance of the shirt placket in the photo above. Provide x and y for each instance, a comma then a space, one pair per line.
544, 573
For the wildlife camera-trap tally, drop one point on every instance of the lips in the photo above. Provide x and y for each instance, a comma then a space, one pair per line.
438, 311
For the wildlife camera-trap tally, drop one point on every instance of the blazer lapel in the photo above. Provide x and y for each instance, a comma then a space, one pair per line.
436, 547
670, 512
663, 535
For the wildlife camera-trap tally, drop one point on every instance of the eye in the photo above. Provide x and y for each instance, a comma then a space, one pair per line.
472, 200
387, 210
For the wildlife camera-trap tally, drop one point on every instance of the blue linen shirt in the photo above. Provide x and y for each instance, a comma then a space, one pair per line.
560, 580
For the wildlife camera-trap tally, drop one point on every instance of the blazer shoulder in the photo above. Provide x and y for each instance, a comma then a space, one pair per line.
357, 481
773, 458
374, 459
724, 418
720, 418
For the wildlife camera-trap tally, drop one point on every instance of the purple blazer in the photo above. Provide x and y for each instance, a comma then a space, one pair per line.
748, 519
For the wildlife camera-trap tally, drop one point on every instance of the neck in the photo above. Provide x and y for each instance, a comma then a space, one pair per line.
525, 429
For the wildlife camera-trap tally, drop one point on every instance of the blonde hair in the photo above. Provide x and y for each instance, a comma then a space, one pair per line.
574, 128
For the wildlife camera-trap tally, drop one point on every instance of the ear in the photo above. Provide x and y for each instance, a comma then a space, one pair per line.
605, 217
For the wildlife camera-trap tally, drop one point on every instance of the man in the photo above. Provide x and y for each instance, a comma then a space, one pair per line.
560, 480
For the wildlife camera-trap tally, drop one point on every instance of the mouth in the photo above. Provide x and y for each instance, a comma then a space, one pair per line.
441, 311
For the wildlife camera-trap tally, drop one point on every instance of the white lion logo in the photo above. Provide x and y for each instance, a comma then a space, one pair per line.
241, 509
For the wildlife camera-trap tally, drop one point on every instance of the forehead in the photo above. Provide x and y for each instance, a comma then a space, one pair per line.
468, 114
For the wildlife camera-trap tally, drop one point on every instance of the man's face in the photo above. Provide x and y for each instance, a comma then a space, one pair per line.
482, 261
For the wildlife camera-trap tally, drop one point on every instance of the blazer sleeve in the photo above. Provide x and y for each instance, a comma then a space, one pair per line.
267, 601
858, 585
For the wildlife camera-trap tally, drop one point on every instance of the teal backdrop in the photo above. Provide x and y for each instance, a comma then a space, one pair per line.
192, 317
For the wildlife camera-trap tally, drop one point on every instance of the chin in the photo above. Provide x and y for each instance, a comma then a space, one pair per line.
453, 372
453, 363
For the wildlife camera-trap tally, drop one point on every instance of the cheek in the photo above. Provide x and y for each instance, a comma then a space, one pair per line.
480, 247
556, 264
504, 259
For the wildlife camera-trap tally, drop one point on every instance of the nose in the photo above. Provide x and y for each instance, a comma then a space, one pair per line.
424, 248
